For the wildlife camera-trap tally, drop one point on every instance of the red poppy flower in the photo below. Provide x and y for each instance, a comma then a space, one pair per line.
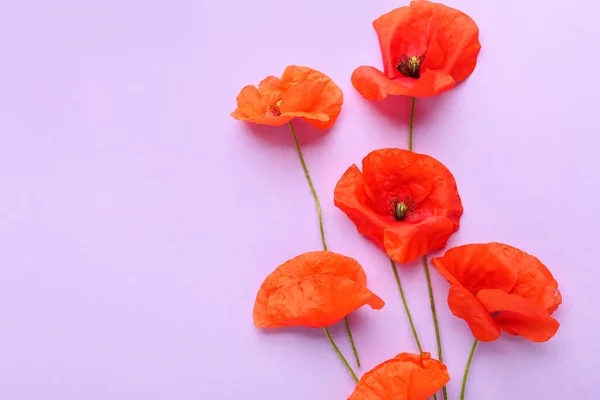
498, 287
301, 92
406, 203
407, 376
427, 48
315, 289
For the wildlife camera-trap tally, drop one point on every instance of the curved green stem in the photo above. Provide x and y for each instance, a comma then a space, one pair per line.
431, 300
310, 183
435, 319
352, 344
340, 355
464, 382
410, 320
322, 230
410, 123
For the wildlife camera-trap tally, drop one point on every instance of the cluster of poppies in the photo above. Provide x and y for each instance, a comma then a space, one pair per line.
406, 203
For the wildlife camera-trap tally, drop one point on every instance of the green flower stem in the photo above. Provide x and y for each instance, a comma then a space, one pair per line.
431, 298
435, 319
410, 320
340, 355
310, 183
322, 230
464, 382
410, 124
352, 344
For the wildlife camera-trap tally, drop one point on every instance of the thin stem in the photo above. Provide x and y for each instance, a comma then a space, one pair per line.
464, 382
431, 300
352, 341
410, 124
340, 355
410, 320
435, 319
321, 229
310, 183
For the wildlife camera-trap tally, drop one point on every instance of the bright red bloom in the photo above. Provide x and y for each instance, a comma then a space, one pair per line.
406, 203
315, 289
407, 377
427, 48
301, 92
498, 287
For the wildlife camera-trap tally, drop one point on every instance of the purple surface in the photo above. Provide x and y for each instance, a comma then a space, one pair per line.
137, 220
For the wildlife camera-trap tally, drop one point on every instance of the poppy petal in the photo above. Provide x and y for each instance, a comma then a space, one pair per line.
519, 315
407, 376
445, 41
252, 105
448, 36
407, 242
458, 35
465, 306
303, 97
315, 289
389, 173
270, 89
270, 84
476, 267
535, 282
350, 197
300, 93
392, 176
263, 120
250, 102
431, 83
309, 117
372, 84
314, 93
404, 31
393, 173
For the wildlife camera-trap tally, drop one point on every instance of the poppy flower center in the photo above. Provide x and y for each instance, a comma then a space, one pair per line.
400, 209
410, 66
274, 109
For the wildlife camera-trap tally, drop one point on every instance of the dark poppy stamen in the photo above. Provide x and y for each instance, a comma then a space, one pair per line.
400, 210
274, 109
410, 66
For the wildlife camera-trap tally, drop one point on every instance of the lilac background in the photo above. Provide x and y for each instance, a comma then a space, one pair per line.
137, 220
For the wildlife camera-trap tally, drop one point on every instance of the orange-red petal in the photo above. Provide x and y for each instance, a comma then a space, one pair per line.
253, 104
446, 37
500, 266
535, 282
518, 315
496, 286
300, 93
477, 266
465, 306
389, 173
315, 289
351, 197
372, 84
394, 175
457, 37
407, 377
312, 93
410, 241
404, 30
